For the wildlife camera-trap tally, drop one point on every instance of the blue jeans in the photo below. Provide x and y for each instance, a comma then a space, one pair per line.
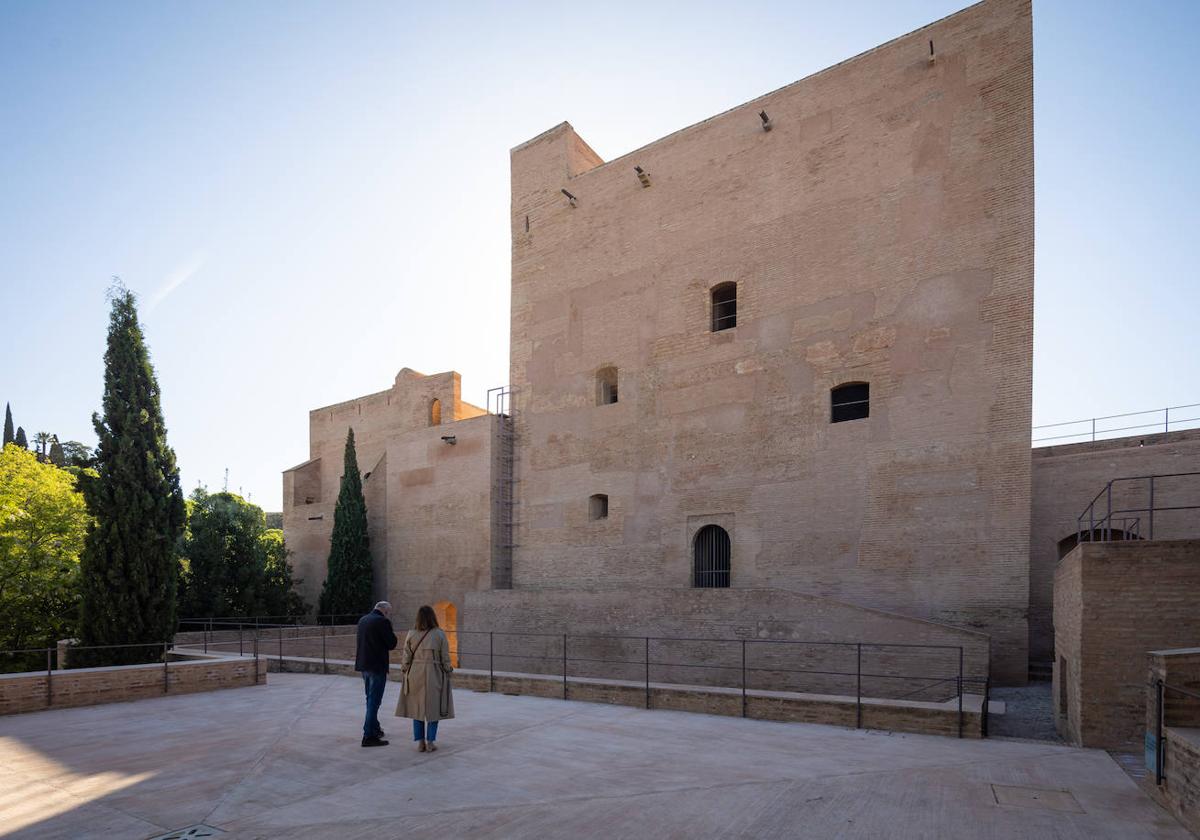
419, 730
374, 682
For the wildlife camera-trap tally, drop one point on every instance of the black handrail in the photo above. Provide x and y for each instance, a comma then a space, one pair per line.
950, 670
1160, 752
1099, 527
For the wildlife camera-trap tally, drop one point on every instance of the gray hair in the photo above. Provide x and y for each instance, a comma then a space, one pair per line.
383, 606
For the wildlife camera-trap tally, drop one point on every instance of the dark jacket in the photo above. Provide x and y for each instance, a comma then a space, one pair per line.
375, 639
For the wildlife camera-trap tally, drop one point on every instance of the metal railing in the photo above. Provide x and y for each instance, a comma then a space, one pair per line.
745, 665
196, 625
1155, 419
1097, 525
1160, 752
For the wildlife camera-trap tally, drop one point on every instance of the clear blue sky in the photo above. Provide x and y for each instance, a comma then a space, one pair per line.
309, 196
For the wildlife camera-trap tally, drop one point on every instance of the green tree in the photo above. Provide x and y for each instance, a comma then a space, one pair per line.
20, 439
283, 599
9, 436
43, 520
129, 569
232, 564
77, 454
350, 579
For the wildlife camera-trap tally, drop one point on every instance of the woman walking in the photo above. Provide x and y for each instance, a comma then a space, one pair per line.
426, 696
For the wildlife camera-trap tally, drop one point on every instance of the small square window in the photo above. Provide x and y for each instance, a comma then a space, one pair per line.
850, 402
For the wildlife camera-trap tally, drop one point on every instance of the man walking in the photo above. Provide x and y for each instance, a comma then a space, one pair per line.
375, 639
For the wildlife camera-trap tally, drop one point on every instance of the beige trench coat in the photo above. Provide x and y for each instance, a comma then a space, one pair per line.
426, 692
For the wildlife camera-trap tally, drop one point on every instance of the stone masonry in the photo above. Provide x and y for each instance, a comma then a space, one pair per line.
880, 232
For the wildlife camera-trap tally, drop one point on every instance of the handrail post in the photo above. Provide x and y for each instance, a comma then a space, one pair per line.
1093, 430
49, 679
281, 648
324, 663
204, 631
647, 672
491, 660
1107, 529
241, 651
564, 666
960, 691
1151, 507
166, 672
1158, 735
987, 693
1167, 419
858, 690
743, 677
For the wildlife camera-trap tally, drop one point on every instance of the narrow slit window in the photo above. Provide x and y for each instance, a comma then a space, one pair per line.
435, 413
598, 507
724, 307
606, 386
850, 402
710, 558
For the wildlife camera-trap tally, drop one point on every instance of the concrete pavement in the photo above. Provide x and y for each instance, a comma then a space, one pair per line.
284, 761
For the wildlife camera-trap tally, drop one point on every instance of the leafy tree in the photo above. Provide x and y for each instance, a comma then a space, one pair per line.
77, 454
8, 426
57, 457
281, 586
43, 520
350, 578
129, 569
20, 439
233, 565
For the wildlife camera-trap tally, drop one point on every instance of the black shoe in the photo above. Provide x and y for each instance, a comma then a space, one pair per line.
374, 742
380, 734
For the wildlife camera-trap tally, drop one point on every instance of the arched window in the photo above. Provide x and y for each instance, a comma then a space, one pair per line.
724, 307
606, 386
435, 413
598, 506
851, 401
710, 558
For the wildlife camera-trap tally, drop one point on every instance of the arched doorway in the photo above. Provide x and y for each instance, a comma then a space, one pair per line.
447, 616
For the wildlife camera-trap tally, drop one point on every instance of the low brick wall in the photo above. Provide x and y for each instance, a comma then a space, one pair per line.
1180, 790
1114, 602
185, 674
891, 715
792, 641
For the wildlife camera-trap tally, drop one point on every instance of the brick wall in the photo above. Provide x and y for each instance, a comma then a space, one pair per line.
763, 617
1179, 792
1067, 477
882, 231
428, 502
92, 686
1114, 602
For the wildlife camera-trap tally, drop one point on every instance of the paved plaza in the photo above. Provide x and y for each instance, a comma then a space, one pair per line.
284, 761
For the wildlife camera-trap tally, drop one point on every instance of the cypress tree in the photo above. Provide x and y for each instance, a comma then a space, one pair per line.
128, 569
350, 579
9, 437
20, 439
57, 457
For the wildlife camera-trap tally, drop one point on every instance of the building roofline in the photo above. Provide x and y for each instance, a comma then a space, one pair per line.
748, 102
